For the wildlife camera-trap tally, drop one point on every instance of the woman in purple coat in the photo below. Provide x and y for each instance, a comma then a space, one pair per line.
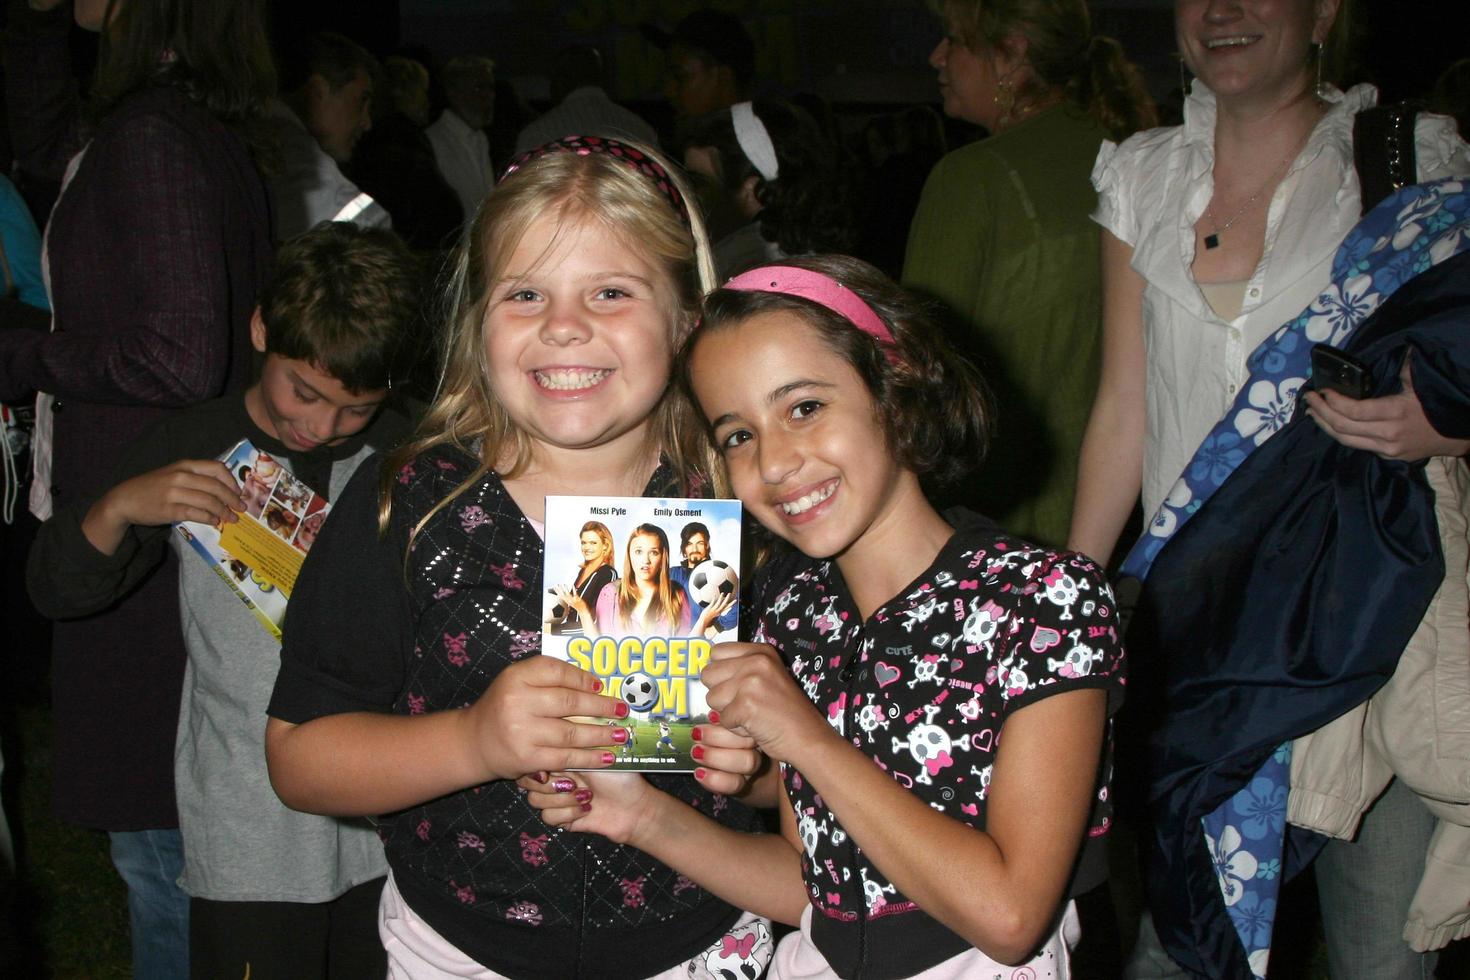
154, 252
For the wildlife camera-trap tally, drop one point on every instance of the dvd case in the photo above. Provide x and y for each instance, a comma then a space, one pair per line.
638, 590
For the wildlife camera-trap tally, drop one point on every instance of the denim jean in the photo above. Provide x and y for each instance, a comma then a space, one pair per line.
150, 862
1366, 886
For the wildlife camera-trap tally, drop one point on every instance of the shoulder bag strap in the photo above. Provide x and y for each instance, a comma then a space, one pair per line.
1383, 150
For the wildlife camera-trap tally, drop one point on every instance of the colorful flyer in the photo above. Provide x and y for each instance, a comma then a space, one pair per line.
259, 555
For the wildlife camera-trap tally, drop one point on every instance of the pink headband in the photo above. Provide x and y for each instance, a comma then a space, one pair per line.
788, 280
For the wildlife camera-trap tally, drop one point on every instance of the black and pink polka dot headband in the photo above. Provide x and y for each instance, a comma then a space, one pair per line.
631, 155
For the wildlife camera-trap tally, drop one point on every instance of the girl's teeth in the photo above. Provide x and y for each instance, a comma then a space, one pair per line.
806, 503
569, 379
1228, 42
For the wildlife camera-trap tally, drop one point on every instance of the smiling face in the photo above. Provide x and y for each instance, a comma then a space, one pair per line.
578, 336
592, 548
302, 406
799, 432
1255, 50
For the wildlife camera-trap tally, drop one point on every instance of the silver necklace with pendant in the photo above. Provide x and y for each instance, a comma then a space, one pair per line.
1212, 240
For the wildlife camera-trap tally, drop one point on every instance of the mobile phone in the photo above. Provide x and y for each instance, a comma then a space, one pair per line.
1340, 372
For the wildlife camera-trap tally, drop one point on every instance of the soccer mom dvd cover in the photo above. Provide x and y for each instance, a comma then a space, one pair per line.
637, 591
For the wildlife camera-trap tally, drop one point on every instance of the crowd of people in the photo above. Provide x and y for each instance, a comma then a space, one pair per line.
941, 384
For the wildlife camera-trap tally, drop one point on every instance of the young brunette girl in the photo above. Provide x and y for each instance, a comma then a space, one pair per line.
410, 682
936, 691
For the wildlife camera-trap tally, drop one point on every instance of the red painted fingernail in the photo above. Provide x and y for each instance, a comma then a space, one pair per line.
608, 758
596, 684
714, 717
583, 795
541, 777
621, 711
620, 735
699, 774
563, 785
697, 752
586, 807
697, 734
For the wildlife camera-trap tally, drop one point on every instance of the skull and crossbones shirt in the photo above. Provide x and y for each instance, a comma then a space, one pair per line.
923, 687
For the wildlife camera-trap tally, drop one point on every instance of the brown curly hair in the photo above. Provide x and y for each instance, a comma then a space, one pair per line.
932, 402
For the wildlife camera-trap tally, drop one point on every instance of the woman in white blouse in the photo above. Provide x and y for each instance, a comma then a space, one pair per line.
1215, 233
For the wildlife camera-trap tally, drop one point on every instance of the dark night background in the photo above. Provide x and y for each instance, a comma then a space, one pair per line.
851, 51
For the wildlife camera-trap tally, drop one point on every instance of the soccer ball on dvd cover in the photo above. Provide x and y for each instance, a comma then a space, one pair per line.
639, 691
710, 580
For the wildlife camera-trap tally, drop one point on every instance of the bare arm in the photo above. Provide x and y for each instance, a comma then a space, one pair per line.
1110, 465
363, 763
998, 888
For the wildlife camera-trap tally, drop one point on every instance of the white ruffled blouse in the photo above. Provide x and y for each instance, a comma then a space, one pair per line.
1153, 188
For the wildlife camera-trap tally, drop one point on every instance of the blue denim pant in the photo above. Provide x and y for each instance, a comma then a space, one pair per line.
150, 862
1366, 887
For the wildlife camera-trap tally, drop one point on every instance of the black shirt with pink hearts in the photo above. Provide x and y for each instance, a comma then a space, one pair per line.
923, 687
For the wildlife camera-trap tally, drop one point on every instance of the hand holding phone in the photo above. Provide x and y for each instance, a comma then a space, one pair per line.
1337, 371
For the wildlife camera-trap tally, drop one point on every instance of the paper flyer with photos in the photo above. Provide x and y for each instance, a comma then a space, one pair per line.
260, 555
638, 590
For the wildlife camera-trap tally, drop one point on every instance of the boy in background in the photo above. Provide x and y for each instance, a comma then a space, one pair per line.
273, 892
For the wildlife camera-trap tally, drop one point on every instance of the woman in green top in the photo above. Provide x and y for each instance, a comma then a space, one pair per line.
1003, 234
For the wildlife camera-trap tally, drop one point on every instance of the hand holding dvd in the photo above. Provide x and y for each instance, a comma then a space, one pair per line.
726, 760
521, 723
616, 805
754, 695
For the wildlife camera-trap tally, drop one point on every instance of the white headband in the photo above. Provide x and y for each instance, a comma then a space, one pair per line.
754, 141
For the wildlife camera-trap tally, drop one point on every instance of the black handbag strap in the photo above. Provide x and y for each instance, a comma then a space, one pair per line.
1383, 150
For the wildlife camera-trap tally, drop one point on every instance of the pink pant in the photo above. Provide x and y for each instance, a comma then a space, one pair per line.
417, 952
797, 959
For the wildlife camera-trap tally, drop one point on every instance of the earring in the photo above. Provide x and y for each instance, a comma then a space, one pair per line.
1317, 50
1005, 98
1184, 83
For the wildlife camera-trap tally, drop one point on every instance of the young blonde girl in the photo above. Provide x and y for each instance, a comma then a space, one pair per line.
935, 691
410, 684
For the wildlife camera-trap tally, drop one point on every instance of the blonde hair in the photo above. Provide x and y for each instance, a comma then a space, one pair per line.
1091, 70
667, 601
572, 187
605, 539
